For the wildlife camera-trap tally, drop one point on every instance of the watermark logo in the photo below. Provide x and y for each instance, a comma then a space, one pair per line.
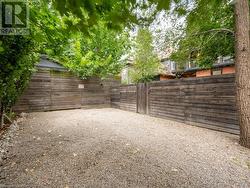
14, 17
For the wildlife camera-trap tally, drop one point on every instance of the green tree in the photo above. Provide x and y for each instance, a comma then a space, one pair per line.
147, 64
115, 14
242, 57
219, 28
97, 54
50, 33
83, 15
93, 51
19, 54
17, 62
209, 33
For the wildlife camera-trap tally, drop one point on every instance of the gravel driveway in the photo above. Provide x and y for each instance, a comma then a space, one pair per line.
113, 148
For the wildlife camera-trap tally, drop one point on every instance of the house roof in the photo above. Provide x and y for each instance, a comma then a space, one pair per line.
47, 63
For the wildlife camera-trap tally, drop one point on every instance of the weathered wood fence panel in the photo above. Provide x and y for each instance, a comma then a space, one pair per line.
64, 91
115, 97
124, 97
207, 102
142, 98
59, 90
38, 96
128, 98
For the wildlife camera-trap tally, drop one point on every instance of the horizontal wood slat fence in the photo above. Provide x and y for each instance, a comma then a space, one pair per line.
59, 90
124, 97
208, 102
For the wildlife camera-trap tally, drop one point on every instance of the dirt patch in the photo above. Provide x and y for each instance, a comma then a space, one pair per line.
113, 148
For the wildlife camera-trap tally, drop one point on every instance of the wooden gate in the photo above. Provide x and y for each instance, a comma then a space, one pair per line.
142, 98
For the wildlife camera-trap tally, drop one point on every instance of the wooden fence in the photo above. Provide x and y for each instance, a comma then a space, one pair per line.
208, 102
124, 97
59, 90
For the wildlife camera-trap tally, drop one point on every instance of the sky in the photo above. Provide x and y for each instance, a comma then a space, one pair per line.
166, 28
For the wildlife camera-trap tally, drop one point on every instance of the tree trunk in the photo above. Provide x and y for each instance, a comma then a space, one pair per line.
1, 116
242, 58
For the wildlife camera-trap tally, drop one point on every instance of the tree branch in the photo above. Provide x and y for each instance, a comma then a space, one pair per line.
219, 30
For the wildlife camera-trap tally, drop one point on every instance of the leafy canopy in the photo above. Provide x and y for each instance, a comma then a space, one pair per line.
113, 13
209, 33
146, 65
59, 28
17, 62
19, 54
98, 55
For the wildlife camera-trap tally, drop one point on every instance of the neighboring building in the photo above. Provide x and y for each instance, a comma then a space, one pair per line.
170, 70
224, 65
165, 73
45, 62
125, 73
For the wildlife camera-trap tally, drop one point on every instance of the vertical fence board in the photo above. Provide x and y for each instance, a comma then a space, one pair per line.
142, 98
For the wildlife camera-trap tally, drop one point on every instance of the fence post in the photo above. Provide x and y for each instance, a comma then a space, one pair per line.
183, 94
142, 94
2, 116
137, 97
147, 97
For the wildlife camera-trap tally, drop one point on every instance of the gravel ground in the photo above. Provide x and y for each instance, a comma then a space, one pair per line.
113, 148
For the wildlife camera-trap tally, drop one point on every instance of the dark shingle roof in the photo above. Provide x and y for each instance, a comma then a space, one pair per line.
46, 63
